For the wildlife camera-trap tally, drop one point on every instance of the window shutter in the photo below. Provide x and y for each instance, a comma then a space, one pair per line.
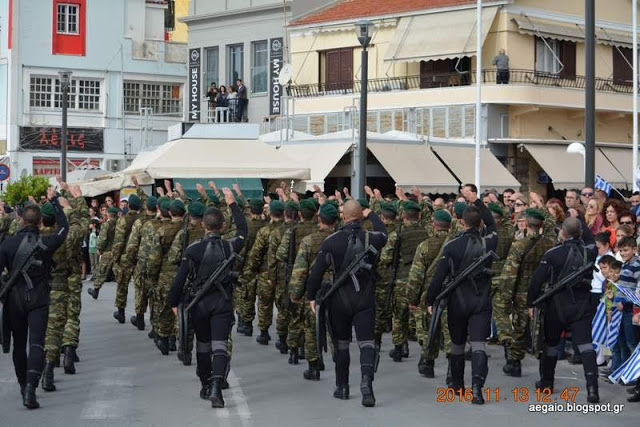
568, 58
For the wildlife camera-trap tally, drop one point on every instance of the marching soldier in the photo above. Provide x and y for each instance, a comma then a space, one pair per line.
388, 214
105, 244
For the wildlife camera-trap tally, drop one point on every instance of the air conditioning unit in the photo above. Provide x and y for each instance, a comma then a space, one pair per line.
112, 165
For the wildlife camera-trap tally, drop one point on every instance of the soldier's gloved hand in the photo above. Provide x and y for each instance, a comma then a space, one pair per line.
312, 305
430, 310
531, 313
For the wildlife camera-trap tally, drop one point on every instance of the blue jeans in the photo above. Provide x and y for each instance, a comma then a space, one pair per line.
626, 341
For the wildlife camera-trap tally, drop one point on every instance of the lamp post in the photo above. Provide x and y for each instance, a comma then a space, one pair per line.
364, 30
65, 82
590, 93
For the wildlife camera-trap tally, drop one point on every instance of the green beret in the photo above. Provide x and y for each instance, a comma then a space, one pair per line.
411, 206
364, 203
276, 206
197, 209
291, 205
177, 204
534, 213
47, 209
308, 204
256, 203
496, 208
441, 215
113, 210
459, 207
152, 202
134, 202
329, 211
164, 203
215, 200
334, 203
389, 206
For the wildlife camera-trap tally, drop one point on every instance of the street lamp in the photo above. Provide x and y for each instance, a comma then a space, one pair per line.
364, 29
578, 148
65, 82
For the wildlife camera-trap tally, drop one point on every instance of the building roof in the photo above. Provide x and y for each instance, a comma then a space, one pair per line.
351, 9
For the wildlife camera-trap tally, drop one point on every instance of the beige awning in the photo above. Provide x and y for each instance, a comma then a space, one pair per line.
461, 160
101, 185
414, 164
551, 29
438, 35
621, 160
218, 158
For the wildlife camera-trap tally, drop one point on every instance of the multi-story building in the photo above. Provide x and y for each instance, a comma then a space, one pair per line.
127, 83
422, 81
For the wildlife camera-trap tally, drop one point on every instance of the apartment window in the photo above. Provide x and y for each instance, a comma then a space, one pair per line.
622, 70
235, 61
162, 98
46, 92
336, 69
211, 63
68, 18
259, 67
558, 58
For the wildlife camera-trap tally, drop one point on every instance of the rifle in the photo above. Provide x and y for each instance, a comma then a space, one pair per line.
394, 268
184, 321
216, 279
443, 297
289, 267
328, 289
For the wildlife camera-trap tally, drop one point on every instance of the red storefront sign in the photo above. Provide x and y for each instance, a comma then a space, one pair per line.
45, 166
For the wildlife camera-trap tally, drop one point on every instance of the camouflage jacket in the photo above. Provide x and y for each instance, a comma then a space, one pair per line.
121, 237
505, 238
78, 224
16, 224
61, 263
158, 249
421, 268
256, 262
305, 258
146, 237
276, 268
411, 235
194, 232
300, 230
135, 237
107, 233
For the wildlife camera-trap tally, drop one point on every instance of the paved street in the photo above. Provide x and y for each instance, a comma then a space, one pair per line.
123, 380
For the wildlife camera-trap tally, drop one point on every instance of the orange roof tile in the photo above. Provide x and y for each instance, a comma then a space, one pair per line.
350, 9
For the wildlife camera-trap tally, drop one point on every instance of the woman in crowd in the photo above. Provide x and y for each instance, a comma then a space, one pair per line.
612, 209
221, 100
593, 217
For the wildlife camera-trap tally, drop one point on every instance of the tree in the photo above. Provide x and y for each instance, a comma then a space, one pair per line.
19, 191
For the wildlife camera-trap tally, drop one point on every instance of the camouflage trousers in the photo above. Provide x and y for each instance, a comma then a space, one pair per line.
247, 300
150, 289
400, 309
165, 320
104, 266
511, 318
383, 316
56, 321
71, 334
284, 316
141, 300
310, 341
266, 296
123, 273
442, 335
296, 335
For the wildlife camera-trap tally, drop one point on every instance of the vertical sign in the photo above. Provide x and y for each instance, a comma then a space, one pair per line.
194, 85
275, 89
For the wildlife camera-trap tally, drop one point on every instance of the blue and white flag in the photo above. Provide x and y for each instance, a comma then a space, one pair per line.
602, 184
628, 293
599, 326
629, 371
614, 328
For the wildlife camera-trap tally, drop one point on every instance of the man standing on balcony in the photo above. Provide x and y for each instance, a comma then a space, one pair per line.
501, 61
242, 100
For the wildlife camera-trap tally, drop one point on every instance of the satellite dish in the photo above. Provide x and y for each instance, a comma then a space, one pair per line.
285, 74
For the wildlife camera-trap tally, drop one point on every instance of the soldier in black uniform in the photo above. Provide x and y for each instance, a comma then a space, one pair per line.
213, 314
354, 304
27, 308
469, 307
571, 308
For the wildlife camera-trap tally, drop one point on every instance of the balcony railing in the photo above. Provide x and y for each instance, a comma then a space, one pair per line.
427, 81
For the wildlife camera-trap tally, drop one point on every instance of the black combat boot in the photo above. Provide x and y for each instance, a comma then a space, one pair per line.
205, 391
479, 370
240, 327
456, 364
224, 384
264, 337
22, 387
68, 362
152, 334
281, 344
312, 373
29, 397
507, 367
172, 343
341, 392
186, 359
635, 393
138, 321
547, 373
57, 362
119, 315
449, 379
47, 378
163, 345
93, 292
396, 353
425, 368
590, 366
301, 353
467, 355
293, 356
320, 363
366, 388
76, 359
513, 369
405, 350
248, 329
216, 393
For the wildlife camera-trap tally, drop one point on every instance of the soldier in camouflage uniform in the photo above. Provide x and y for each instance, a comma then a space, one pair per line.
409, 237
420, 276
277, 274
388, 214
456, 224
512, 286
308, 225
105, 244
186, 236
141, 226
247, 291
121, 267
305, 258
161, 272
506, 231
256, 265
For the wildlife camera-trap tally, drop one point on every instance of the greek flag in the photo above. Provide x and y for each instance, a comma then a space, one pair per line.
628, 293
602, 184
629, 371
614, 328
599, 326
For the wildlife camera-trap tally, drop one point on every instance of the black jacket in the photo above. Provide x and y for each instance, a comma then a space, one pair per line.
194, 253
336, 246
